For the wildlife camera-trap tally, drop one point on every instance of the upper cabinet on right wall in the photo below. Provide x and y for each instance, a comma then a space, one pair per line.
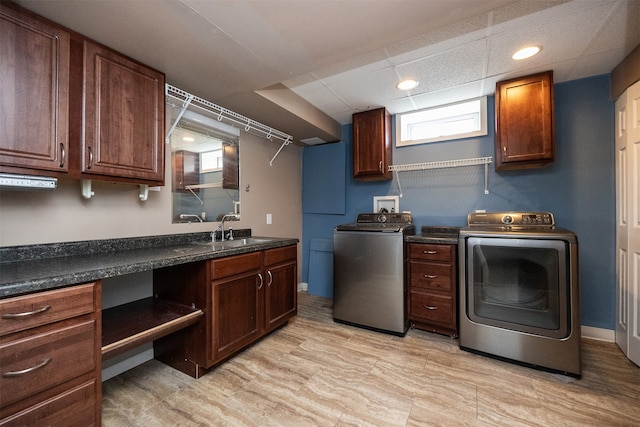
524, 122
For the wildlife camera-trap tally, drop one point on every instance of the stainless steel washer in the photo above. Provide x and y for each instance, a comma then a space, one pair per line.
369, 287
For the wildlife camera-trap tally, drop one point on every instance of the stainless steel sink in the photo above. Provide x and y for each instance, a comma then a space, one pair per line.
229, 244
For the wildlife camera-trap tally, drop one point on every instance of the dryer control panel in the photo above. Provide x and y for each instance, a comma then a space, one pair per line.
525, 219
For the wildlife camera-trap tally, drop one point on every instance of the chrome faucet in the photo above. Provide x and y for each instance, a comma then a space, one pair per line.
186, 216
230, 217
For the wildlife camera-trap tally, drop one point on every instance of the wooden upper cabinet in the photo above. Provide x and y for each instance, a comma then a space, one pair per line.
230, 167
372, 145
121, 129
34, 92
186, 169
524, 122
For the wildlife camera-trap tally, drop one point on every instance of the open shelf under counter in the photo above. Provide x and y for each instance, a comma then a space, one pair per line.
127, 326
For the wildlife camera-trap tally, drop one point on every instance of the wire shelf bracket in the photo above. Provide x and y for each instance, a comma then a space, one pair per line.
221, 113
442, 165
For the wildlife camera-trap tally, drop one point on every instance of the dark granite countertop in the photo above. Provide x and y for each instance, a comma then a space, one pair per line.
34, 268
436, 234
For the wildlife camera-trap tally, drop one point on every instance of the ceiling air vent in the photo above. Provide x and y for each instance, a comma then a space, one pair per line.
25, 182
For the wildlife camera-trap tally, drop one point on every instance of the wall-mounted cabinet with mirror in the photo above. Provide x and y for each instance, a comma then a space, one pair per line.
205, 169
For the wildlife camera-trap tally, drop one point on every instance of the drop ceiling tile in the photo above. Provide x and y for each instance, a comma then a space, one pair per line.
362, 90
561, 37
401, 105
440, 40
621, 28
448, 69
325, 100
594, 65
448, 95
343, 117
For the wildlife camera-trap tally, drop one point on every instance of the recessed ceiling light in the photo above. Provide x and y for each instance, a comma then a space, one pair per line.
526, 52
407, 84
188, 138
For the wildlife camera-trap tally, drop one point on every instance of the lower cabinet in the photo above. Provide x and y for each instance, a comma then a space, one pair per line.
50, 358
244, 297
431, 272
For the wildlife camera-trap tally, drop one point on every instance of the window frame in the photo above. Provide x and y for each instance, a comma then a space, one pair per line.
482, 131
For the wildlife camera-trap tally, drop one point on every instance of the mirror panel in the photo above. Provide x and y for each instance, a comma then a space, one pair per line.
205, 172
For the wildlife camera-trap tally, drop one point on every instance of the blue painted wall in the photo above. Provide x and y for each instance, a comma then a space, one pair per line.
579, 188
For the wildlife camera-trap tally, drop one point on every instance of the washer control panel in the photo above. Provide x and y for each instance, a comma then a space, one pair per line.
384, 218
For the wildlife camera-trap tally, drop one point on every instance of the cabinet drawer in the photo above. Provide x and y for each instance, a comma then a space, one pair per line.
74, 407
45, 359
29, 311
431, 275
274, 256
236, 264
431, 252
430, 307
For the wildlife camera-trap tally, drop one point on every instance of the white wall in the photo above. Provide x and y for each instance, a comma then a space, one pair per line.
63, 215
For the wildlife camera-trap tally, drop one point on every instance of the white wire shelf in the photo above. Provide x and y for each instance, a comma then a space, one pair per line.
221, 113
443, 165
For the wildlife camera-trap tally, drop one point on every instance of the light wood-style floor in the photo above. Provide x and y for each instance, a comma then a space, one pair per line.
314, 372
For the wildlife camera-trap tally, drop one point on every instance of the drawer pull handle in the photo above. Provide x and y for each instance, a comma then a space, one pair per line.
429, 276
44, 363
430, 252
26, 313
430, 307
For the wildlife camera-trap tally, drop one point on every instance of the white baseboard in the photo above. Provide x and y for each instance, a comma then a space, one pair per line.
302, 286
600, 334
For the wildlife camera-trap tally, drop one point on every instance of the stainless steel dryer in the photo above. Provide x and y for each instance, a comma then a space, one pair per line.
519, 290
369, 287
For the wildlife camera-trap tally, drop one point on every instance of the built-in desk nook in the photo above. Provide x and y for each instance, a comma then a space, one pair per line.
55, 335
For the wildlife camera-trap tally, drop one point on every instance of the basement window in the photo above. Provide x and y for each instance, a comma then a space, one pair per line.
211, 161
459, 120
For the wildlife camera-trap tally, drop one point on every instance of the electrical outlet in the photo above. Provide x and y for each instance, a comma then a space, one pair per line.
269, 218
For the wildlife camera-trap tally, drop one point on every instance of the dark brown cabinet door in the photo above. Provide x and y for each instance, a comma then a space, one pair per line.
186, 170
34, 92
230, 167
281, 297
123, 118
524, 122
372, 145
237, 313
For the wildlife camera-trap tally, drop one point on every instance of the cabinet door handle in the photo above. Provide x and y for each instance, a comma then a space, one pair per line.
270, 278
90, 157
42, 364
63, 154
429, 276
430, 307
26, 313
261, 281
429, 252
380, 166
